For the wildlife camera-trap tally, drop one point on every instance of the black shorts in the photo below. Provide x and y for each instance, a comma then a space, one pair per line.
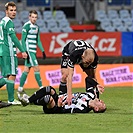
64, 61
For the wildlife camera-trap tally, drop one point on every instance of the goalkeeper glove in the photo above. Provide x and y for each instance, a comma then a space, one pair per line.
44, 55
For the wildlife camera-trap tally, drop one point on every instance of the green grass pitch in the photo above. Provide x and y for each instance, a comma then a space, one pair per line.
118, 117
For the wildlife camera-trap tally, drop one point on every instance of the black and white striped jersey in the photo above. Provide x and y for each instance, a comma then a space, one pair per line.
74, 50
80, 102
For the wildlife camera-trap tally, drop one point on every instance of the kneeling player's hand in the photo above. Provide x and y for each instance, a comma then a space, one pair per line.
100, 88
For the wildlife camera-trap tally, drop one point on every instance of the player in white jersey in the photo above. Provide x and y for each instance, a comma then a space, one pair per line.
76, 52
30, 41
54, 103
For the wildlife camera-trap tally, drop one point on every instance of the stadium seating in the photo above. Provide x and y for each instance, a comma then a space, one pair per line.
109, 28
124, 14
105, 24
121, 28
100, 15
17, 23
121, 20
46, 21
117, 22
39, 15
112, 14
128, 22
59, 15
47, 15
130, 28
24, 16
132, 13
40, 22
63, 23
18, 30
44, 29
2, 14
52, 26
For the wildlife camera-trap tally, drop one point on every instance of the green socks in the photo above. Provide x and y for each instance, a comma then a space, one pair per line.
23, 78
38, 78
10, 90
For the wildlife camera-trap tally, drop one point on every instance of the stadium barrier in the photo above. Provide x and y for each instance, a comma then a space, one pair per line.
107, 75
105, 43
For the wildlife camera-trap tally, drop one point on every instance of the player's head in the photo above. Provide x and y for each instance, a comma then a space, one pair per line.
33, 15
88, 57
10, 9
99, 106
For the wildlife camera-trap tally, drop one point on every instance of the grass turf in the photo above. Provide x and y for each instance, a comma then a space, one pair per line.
117, 118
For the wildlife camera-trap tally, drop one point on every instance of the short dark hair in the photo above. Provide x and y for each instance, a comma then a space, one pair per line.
32, 11
11, 3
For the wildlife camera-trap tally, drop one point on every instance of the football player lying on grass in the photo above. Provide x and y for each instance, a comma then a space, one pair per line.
54, 103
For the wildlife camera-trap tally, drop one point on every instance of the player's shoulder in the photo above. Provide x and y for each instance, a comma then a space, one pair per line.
27, 24
7, 20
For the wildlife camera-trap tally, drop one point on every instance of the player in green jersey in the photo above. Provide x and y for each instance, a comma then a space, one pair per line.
9, 57
30, 41
2, 80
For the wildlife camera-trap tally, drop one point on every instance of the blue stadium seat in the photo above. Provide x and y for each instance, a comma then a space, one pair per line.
109, 29
121, 28
2, 14
105, 24
40, 22
128, 22
63, 23
52, 26
130, 28
112, 14
117, 22
64, 26
17, 23
24, 16
39, 15
100, 15
59, 15
47, 15
132, 13
44, 29
124, 14
98, 12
